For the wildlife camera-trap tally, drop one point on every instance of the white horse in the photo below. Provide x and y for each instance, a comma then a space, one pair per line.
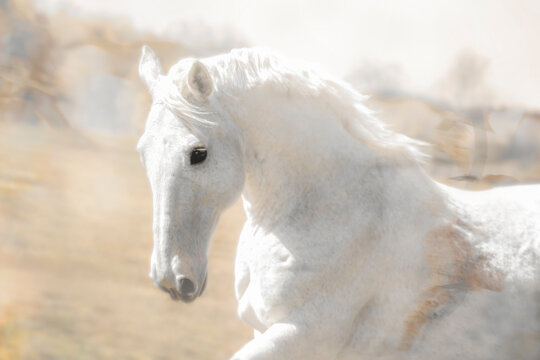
350, 251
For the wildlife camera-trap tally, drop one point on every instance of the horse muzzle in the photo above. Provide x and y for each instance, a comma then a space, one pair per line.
184, 289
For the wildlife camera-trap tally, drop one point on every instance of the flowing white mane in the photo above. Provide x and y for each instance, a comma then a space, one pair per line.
244, 69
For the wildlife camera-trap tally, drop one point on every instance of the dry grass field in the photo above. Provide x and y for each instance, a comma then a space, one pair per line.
75, 230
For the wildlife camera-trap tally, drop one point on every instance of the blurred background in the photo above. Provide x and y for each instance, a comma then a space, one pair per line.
75, 207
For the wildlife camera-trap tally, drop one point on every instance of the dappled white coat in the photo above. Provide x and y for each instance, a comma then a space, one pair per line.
350, 251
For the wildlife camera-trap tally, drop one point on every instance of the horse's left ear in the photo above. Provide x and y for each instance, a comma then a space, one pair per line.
199, 81
149, 67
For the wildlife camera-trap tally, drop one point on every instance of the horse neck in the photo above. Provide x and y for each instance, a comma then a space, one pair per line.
297, 153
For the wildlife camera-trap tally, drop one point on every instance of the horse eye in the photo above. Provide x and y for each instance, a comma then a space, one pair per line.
198, 155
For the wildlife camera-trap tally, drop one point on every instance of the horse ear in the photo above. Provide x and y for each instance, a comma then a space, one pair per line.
149, 67
199, 81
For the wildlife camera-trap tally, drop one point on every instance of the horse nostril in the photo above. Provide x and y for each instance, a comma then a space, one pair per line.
186, 286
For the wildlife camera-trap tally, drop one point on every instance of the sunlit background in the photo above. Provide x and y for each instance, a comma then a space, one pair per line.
75, 207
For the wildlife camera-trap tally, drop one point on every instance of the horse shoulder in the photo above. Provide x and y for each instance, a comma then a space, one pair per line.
456, 268
463, 254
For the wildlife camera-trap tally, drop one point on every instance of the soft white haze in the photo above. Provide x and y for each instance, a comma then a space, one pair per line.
421, 38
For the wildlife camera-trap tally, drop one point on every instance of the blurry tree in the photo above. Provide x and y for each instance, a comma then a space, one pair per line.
75, 71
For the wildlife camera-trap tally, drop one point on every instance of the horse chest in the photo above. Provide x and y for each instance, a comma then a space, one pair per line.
270, 280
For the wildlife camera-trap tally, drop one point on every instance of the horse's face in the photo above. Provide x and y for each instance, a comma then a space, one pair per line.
195, 172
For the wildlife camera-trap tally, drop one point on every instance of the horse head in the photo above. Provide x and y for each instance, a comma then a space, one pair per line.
192, 153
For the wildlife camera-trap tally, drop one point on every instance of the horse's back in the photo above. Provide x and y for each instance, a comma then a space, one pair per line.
505, 202
505, 228
510, 214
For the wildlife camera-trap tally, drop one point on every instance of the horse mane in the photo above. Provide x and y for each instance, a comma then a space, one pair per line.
246, 68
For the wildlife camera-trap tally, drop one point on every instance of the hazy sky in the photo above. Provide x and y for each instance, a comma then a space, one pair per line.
421, 37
